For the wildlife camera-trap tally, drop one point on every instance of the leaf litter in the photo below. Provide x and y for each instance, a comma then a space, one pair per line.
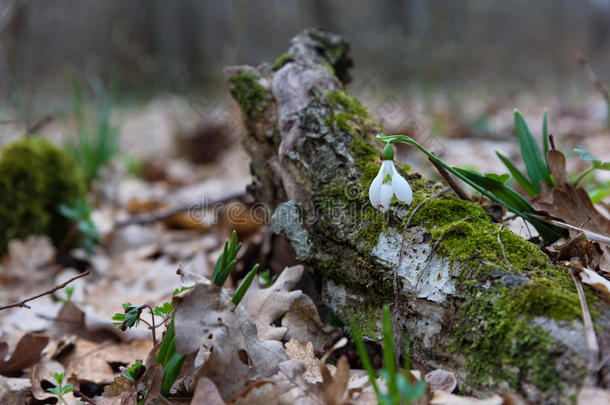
272, 348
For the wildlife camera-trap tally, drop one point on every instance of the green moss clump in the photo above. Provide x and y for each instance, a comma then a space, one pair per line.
36, 177
497, 336
282, 60
465, 233
251, 96
498, 340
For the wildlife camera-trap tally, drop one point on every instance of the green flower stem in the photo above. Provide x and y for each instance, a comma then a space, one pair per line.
583, 175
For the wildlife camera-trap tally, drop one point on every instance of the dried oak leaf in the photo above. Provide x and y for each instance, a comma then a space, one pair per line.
266, 305
295, 349
303, 322
596, 281
207, 322
566, 202
206, 392
570, 204
27, 353
334, 387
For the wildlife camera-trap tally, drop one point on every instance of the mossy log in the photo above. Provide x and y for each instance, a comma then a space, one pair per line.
473, 298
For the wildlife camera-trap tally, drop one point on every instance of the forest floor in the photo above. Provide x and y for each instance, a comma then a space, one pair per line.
174, 153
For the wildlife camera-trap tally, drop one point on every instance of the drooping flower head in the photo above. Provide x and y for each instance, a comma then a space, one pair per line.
388, 183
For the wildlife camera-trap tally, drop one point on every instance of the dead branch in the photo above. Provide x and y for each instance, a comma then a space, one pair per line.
161, 215
22, 303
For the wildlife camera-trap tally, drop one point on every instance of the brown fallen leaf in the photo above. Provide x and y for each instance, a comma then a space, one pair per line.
334, 387
570, 204
303, 322
266, 305
91, 362
27, 353
14, 390
596, 281
42, 376
295, 349
225, 338
207, 393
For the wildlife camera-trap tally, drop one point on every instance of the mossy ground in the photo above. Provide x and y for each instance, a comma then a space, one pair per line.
250, 94
36, 176
495, 334
507, 281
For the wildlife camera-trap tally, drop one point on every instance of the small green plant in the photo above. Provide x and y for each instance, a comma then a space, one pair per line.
69, 292
243, 287
596, 164
267, 278
133, 372
129, 318
96, 141
79, 211
490, 186
226, 262
535, 161
400, 389
167, 356
60, 390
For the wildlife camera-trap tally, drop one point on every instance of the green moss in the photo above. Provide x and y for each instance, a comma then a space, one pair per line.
251, 96
497, 337
282, 60
329, 67
507, 282
350, 105
35, 178
367, 319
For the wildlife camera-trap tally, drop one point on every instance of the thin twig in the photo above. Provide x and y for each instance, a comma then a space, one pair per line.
46, 120
599, 85
451, 181
151, 327
590, 337
22, 303
158, 216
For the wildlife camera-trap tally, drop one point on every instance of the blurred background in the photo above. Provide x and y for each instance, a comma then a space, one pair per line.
151, 43
446, 70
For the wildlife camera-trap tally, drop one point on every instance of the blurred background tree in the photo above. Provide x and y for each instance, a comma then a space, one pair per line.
162, 46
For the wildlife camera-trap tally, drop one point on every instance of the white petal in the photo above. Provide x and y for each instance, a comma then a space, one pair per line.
387, 168
385, 196
375, 189
401, 188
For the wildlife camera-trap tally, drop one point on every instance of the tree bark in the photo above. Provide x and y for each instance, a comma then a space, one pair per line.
472, 297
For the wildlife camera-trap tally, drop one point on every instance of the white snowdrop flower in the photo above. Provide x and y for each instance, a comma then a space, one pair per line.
388, 183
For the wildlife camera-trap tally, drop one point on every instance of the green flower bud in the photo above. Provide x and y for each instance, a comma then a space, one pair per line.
388, 152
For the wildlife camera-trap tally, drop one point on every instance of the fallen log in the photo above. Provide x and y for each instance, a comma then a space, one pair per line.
472, 297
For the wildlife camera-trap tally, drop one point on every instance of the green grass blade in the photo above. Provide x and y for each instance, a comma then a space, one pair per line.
535, 165
517, 174
162, 355
389, 361
170, 372
243, 287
